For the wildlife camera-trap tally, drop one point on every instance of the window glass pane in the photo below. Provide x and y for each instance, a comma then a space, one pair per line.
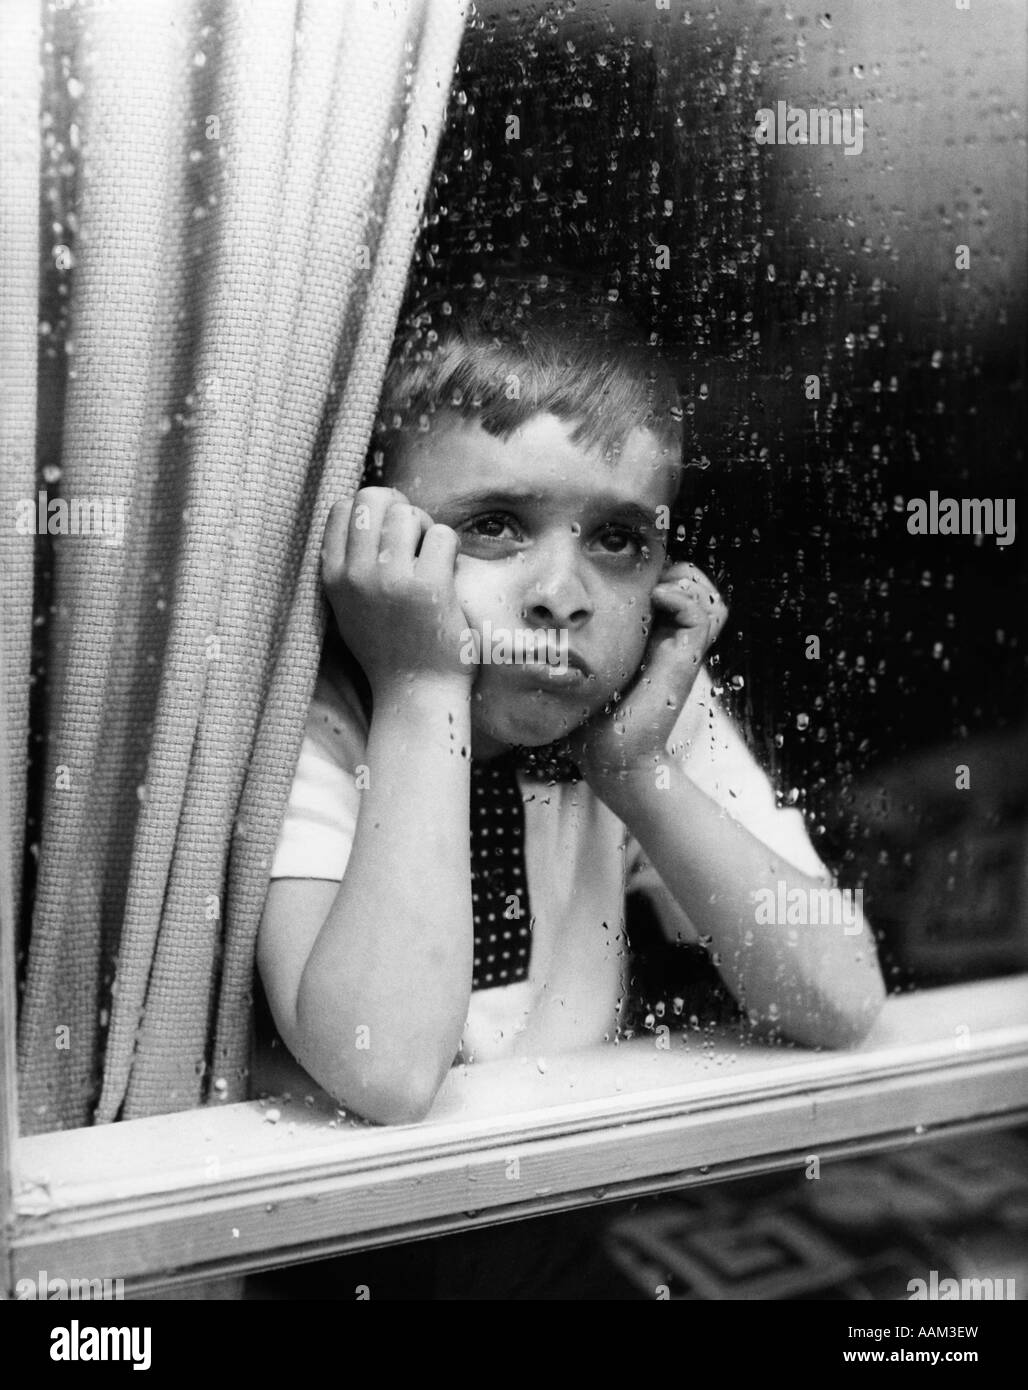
817, 221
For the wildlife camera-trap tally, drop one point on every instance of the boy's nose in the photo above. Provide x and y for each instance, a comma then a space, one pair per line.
559, 600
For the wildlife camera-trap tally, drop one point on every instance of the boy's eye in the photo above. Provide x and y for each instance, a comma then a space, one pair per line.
622, 540
493, 526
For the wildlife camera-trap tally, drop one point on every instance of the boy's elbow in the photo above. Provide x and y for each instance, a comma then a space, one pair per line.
851, 1023
399, 1104
852, 1005
386, 1095
388, 1084
834, 1019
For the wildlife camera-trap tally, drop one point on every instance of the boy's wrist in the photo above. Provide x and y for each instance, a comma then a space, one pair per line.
430, 687
624, 783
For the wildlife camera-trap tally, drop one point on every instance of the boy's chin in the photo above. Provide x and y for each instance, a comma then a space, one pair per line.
497, 729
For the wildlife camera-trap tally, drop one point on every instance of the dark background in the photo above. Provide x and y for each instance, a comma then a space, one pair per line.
639, 135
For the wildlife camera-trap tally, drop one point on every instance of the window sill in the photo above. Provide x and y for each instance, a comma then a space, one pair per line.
225, 1189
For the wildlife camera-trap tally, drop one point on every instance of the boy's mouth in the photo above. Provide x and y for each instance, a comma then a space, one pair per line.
562, 676
572, 669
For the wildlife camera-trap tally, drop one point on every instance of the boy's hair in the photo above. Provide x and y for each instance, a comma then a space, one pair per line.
513, 344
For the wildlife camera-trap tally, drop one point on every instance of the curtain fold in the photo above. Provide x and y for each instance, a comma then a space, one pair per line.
248, 188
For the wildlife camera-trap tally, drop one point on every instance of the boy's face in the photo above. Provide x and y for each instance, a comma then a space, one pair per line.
552, 536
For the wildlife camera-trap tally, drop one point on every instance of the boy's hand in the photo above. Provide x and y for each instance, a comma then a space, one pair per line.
389, 575
688, 614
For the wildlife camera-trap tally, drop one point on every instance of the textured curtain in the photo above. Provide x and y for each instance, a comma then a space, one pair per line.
231, 195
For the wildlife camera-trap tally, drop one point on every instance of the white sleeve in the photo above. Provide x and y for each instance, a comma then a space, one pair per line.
711, 750
321, 815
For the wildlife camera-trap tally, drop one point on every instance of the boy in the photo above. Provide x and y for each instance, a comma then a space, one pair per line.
433, 896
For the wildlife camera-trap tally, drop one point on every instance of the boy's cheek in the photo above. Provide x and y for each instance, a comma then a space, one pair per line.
631, 643
637, 621
480, 596
632, 656
617, 663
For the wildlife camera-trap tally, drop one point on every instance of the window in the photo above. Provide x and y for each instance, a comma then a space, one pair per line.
819, 217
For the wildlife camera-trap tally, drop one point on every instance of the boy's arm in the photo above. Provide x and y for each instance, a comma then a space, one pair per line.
369, 981
820, 984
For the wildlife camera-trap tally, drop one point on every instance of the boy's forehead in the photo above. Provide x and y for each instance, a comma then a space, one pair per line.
456, 457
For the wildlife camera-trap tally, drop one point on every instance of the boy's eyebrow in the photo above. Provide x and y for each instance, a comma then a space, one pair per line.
601, 502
